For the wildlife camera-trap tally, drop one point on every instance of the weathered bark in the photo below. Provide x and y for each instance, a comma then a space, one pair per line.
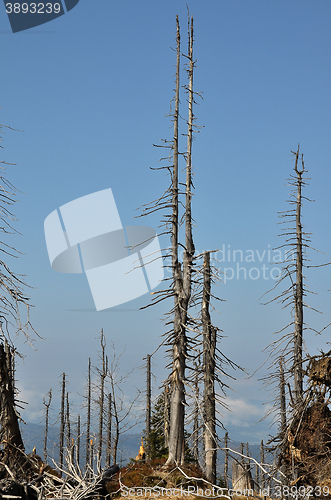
195, 433
148, 407
78, 441
176, 434
108, 450
103, 374
226, 459
62, 419
242, 478
10, 431
181, 281
88, 420
68, 421
298, 372
282, 436
166, 416
47, 405
209, 347
262, 462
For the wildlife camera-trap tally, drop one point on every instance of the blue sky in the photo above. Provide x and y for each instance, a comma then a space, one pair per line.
90, 92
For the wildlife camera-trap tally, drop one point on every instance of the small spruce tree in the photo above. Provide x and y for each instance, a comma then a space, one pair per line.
156, 443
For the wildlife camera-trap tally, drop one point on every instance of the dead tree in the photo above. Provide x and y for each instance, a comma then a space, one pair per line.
209, 351
14, 315
62, 419
195, 433
109, 430
13, 297
102, 374
123, 415
148, 406
70, 440
262, 462
78, 441
181, 281
226, 459
166, 415
47, 405
289, 348
88, 419
10, 433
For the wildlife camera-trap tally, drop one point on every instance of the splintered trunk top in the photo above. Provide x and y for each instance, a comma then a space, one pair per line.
10, 431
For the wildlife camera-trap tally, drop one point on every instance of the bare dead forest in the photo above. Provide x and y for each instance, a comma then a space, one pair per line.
184, 435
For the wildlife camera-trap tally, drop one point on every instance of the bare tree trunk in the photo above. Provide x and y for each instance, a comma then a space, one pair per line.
181, 283
166, 416
109, 430
10, 431
282, 418
195, 433
103, 374
68, 422
257, 477
117, 431
62, 419
176, 434
226, 459
209, 347
298, 373
88, 421
262, 462
78, 441
47, 405
70, 440
148, 407
91, 453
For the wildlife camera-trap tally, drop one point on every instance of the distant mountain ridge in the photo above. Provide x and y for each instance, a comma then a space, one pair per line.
34, 435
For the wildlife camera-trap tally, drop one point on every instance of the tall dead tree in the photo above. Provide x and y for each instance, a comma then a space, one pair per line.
78, 441
226, 459
209, 351
298, 293
102, 374
47, 405
195, 433
109, 430
14, 314
183, 344
166, 415
182, 275
88, 418
62, 419
148, 406
287, 352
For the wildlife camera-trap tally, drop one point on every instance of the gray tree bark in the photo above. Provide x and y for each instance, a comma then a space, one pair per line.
47, 405
181, 279
148, 406
103, 374
88, 420
298, 372
62, 419
10, 431
209, 347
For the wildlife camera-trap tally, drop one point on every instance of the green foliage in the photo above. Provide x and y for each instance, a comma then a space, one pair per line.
157, 448
156, 444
